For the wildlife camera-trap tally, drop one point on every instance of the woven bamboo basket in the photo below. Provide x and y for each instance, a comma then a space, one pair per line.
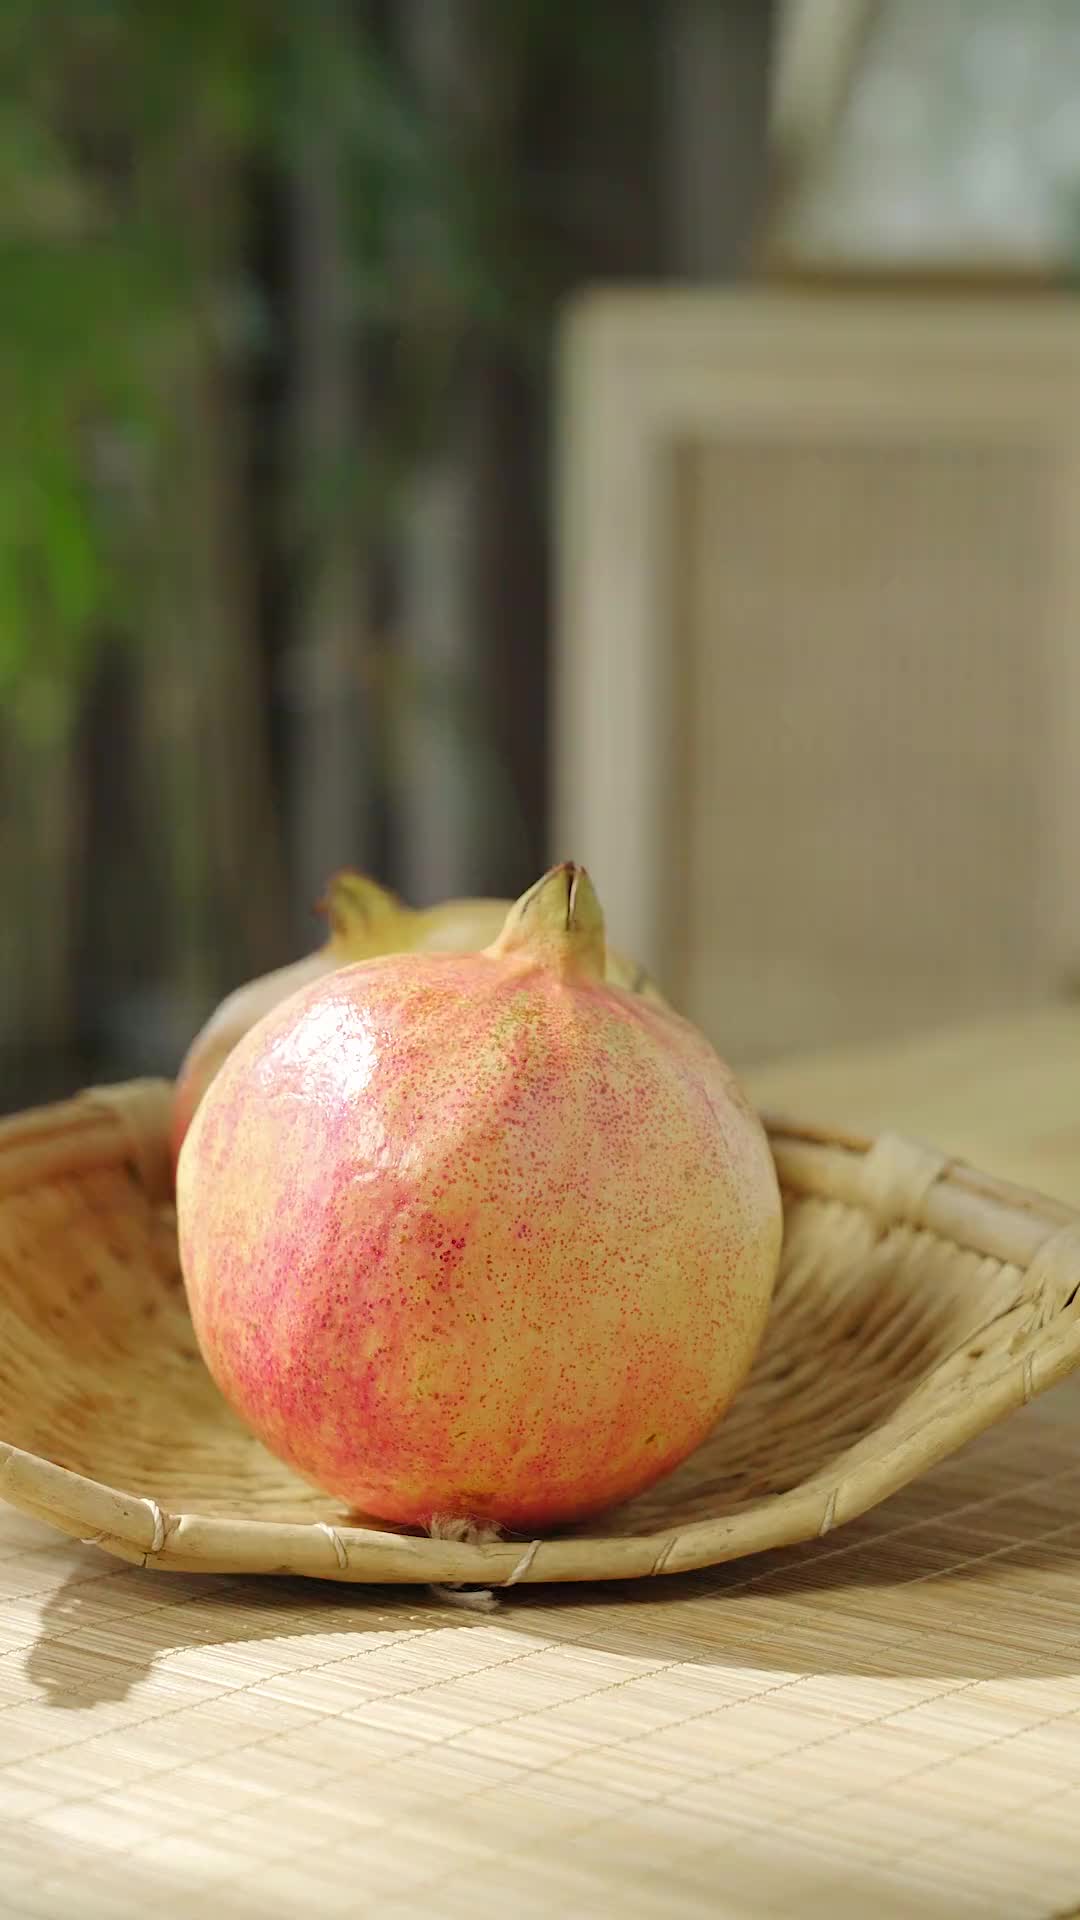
918, 1302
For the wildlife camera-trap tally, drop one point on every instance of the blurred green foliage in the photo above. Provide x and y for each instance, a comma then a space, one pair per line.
124, 128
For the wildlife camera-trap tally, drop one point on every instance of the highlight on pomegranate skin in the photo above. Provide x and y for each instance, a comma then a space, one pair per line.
482, 1234
363, 918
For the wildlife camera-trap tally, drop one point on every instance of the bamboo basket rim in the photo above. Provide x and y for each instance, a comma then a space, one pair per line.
898, 1181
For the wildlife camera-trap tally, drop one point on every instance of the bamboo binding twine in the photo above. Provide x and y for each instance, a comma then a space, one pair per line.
918, 1303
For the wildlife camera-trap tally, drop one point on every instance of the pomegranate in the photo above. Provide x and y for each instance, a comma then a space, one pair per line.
480, 1236
364, 920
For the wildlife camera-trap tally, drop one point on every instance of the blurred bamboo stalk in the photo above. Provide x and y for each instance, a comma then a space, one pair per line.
442, 832
36, 986
205, 707
333, 758
717, 63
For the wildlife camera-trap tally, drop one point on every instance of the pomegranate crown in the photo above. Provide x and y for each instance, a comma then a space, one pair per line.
355, 906
558, 923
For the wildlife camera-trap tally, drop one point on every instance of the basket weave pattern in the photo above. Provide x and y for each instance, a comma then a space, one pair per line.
918, 1302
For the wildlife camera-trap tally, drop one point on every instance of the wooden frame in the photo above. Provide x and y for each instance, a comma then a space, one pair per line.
645, 374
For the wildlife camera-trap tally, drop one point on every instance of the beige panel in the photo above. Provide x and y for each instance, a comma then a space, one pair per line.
818, 662
866, 697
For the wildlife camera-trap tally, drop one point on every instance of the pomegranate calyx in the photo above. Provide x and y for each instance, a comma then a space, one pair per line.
355, 907
558, 923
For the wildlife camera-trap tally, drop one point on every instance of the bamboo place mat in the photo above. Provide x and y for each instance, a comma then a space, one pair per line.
885, 1722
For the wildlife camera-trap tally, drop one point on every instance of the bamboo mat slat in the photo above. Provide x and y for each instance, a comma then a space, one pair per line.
885, 1721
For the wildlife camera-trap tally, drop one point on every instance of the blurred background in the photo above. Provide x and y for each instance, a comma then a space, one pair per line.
281, 298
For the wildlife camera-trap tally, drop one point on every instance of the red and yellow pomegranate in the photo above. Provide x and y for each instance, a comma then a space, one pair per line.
364, 920
479, 1235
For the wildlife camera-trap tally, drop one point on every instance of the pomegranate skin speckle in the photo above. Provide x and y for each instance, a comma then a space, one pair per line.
365, 920
479, 1235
